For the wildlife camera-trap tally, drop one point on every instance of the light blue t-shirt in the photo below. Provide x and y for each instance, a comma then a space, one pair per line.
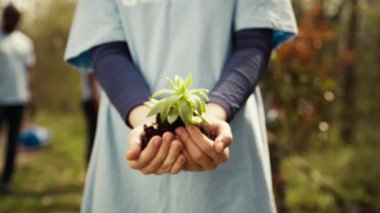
16, 55
168, 38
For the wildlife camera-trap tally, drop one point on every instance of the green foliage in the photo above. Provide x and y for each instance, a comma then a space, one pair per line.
352, 181
181, 102
304, 87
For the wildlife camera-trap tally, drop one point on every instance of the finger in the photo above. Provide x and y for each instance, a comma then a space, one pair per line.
174, 151
158, 160
224, 137
147, 154
178, 165
207, 145
134, 151
195, 153
203, 142
134, 141
221, 143
190, 165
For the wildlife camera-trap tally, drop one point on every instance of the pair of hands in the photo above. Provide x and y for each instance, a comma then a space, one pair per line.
188, 149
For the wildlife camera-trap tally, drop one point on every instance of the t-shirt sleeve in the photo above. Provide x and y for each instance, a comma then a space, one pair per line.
274, 14
95, 22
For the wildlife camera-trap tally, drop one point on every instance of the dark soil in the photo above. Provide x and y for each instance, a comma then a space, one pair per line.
159, 128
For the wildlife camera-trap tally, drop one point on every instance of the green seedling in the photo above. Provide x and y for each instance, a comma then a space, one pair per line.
179, 102
175, 107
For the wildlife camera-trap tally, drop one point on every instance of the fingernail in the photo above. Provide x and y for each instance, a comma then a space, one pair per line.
179, 130
176, 148
167, 140
157, 142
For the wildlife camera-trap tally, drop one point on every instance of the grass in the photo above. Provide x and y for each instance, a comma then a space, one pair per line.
51, 179
318, 180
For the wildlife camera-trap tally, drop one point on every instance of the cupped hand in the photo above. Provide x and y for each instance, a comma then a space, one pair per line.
201, 152
162, 154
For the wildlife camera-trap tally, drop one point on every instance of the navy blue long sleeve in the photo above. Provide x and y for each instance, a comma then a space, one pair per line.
121, 80
126, 87
248, 61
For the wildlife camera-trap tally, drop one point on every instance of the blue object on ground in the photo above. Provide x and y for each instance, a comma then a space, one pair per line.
35, 137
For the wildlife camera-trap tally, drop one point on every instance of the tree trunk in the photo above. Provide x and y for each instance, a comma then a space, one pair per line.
349, 77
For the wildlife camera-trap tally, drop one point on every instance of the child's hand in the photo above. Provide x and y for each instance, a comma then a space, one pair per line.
201, 152
162, 154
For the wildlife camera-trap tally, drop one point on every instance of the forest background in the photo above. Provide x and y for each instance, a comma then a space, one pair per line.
322, 101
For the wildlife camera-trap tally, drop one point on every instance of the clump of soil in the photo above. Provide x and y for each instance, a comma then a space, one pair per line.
160, 127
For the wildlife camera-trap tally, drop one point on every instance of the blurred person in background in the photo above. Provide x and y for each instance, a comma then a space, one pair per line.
90, 105
16, 61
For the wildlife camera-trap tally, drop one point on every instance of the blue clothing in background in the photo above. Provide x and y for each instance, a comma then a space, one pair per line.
168, 38
86, 87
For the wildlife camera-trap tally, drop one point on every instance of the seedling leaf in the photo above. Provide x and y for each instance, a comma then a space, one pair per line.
162, 107
188, 81
172, 84
185, 111
173, 116
180, 102
163, 92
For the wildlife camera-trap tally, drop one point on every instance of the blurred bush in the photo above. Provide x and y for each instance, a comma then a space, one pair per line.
324, 87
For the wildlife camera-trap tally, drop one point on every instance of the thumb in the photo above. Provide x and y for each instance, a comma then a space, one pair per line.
223, 138
134, 146
134, 151
221, 142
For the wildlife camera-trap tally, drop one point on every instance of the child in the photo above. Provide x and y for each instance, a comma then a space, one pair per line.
133, 45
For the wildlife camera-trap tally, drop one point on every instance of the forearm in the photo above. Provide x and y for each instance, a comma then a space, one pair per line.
123, 83
137, 116
243, 70
31, 81
217, 111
